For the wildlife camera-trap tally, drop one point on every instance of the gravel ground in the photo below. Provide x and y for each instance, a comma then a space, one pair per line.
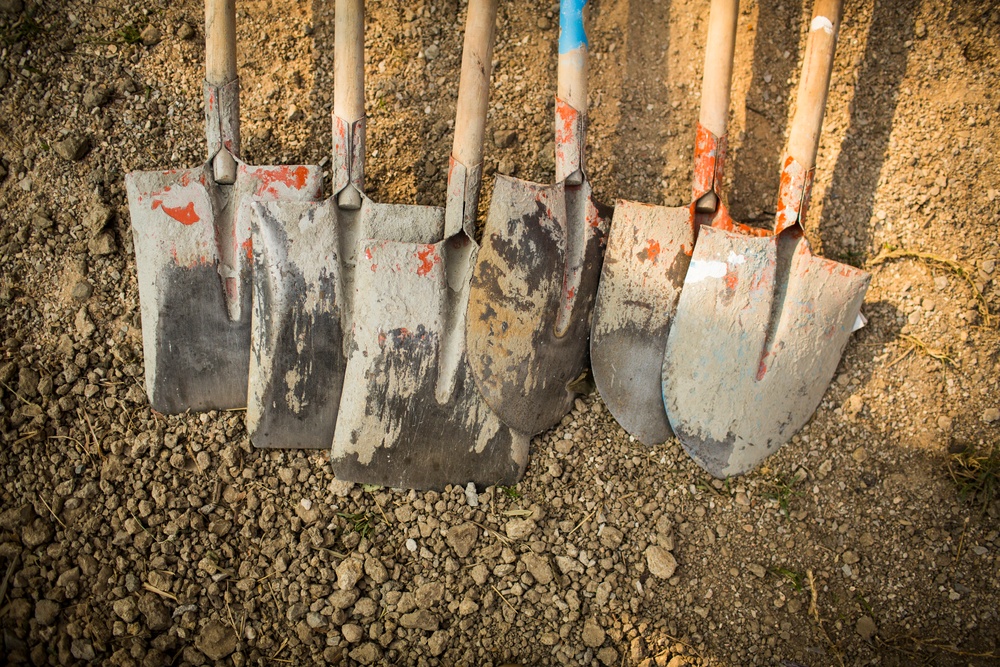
130, 538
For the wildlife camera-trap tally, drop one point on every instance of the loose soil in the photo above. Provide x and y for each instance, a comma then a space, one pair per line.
132, 538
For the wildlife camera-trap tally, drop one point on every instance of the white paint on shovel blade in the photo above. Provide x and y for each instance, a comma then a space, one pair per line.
701, 269
821, 23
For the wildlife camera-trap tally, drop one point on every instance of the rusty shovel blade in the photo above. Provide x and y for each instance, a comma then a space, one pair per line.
760, 328
532, 296
412, 417
192, 245
649, 249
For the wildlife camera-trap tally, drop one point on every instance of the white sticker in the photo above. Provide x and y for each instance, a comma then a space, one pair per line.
699, 270
821, 22
860, 322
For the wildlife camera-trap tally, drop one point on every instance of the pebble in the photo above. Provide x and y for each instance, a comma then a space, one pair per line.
420, 619
294, 114
101, 245
661, 562
46, 612
84, 325
352, 633
544, 23
860, 455
97, 218
429, 594
37, 533
471, 496
185, 31
73, 148
507, 166
216, 641
96, 96
865, 627
126, 609
519, 529
150, 36
349, 573
463, 538
538, 566
593, 634
432, 51
366, 654
758, 570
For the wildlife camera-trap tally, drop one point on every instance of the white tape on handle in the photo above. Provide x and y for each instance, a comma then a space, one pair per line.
821, 23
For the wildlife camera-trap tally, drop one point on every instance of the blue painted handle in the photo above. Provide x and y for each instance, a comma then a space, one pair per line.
572, 34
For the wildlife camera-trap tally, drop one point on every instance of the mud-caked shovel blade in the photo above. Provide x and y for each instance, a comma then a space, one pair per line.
192, 245
402, 422
649, 249
760, 328
532, 296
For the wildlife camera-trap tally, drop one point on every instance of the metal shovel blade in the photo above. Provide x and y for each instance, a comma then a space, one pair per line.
303, 274
397, 427
192, 245
530, 303
649, 249
760, 328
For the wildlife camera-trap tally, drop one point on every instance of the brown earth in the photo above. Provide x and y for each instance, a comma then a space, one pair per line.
127, 537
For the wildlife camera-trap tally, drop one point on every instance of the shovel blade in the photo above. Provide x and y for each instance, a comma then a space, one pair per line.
649, 249
760, 328
392, 430
192, 245
304, 265
531, 299
297, 357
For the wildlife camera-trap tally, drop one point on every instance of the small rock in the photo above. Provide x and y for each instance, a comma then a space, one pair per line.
37, 533
126, 609
593, 634
151, 36
471, 496
97, 218
155, 612
661, 562
217, 641
82, 291
463, 538
72, 148
504, 138
988, 266
945, 423
919, 29
991, 415
438, 642
352, 633
865, 627
608, 656
27, 382
422, 619
81, 649
850, 557
315, 620
854, 405
430, 169
366, 654
102, 244
349, 573
46, 612
432, 51
860, 455
758, 570
84, 325
294, 114
376, 570
507, 166
544, 23
96, 96
185, 31
519, 529
611, 537
538, 566
429, 594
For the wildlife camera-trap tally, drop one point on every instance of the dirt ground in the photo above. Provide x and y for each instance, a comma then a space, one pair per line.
131, 538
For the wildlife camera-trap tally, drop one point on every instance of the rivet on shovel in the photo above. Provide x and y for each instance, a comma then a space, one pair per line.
536, 275
761, 322
648, 253
413, 417
191, 233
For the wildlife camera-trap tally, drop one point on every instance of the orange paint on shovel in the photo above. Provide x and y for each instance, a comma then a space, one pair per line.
185, 215
427, 260
291, 177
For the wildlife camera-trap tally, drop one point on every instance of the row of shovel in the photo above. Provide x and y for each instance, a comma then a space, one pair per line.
427, 358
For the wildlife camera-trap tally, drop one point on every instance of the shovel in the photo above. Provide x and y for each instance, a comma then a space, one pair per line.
649, 248
191, 233
303, 268
761, 322
536, 276
413, 417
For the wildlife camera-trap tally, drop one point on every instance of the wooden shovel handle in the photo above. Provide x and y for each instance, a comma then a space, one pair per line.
474, 85
220, 41
803, 140
349, 60
571, 77
717, 76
